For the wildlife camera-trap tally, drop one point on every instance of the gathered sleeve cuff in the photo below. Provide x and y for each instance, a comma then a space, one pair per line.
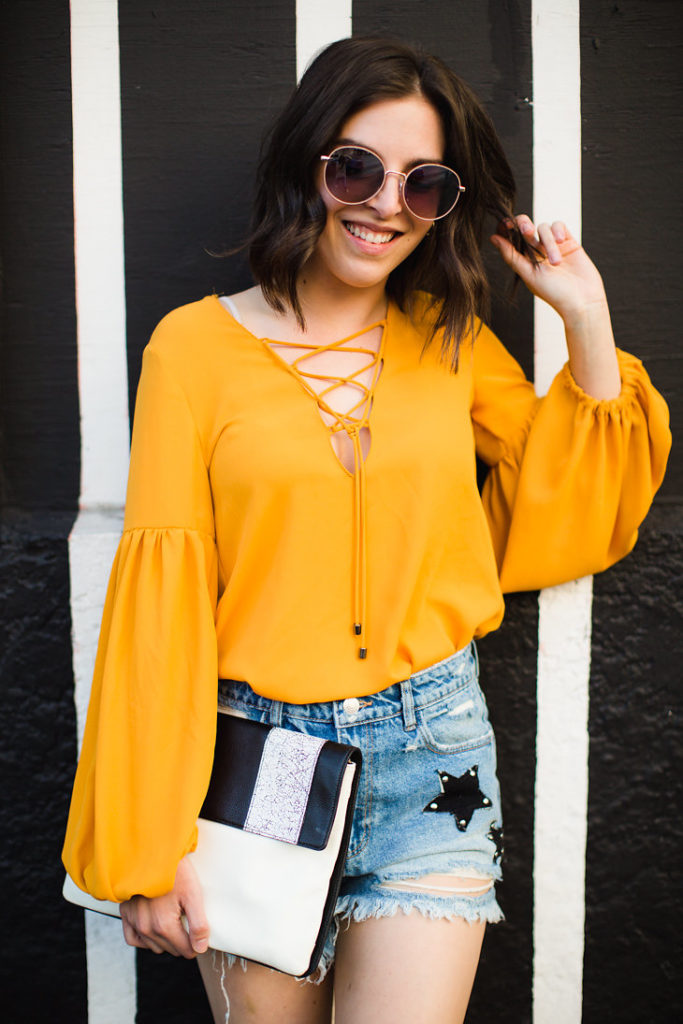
149, 738
150, 732
570, 488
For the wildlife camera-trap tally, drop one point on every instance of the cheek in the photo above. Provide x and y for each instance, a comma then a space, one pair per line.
331, 205
421, 229
417, 235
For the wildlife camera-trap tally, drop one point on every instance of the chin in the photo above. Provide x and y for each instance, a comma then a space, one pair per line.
364, 279
364, 272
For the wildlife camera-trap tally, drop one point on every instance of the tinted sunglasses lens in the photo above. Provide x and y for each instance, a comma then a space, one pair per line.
353, 175
431, 191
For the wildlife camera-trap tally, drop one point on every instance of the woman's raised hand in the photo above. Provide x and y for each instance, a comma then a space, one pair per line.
564, 276
157, 923
569, 281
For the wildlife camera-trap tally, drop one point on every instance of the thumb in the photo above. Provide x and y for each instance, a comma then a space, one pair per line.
189, 894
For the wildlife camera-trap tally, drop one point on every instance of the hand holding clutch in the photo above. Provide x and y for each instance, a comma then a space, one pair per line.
174, 923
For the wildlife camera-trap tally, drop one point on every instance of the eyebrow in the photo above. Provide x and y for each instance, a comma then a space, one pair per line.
411, 163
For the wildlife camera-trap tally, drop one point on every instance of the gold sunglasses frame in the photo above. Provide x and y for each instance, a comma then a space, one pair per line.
402, 175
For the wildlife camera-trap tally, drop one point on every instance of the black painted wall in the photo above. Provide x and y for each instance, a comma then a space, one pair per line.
197, 94
199, 82
632, 103
42, 967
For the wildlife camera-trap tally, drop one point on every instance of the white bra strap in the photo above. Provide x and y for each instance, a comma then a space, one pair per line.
227, 302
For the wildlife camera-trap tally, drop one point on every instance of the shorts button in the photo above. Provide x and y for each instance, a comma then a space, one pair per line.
351, 706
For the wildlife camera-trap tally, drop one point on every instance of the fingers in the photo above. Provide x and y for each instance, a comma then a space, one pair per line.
553, 242
191, 900
156, 924
550, 235
547, 237
159, 923
131, 918
131, 936
517, 262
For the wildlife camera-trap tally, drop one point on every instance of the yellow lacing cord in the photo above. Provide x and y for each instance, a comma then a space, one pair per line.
353, 423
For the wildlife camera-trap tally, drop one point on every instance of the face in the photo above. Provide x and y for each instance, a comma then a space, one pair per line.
361, 244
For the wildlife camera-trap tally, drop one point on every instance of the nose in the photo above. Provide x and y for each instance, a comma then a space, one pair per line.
388, 200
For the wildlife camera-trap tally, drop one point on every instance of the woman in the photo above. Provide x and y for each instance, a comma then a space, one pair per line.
303, 523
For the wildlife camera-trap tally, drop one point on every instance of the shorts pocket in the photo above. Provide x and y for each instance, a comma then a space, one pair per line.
459, 721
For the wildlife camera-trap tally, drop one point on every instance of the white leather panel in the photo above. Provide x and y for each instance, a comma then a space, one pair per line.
250, 879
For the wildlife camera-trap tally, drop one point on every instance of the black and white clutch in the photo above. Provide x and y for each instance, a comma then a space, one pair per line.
273, 834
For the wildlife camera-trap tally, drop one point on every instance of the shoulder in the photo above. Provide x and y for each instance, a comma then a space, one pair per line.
197, 350
186, 329
193, 338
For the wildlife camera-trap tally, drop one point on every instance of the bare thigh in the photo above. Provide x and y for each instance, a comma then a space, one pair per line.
407, 969
261, 996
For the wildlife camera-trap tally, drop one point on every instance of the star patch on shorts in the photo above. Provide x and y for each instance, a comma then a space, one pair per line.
495, 834
459, 796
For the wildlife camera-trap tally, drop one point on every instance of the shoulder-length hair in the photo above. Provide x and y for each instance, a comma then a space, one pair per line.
289, 213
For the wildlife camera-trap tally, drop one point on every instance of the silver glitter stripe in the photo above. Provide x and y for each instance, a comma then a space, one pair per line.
283, 784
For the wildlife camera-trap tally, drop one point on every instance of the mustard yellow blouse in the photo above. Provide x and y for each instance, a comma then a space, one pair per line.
237, 557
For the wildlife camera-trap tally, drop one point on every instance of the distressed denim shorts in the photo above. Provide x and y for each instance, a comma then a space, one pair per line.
428, 798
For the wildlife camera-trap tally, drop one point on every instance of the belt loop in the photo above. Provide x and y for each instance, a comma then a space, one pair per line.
408, 706
475, 655
276, 713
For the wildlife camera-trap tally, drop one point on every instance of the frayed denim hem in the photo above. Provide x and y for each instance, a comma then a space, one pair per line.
361, 907
326, 959
230, 959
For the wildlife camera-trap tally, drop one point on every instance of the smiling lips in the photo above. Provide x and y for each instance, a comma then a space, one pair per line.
376, 237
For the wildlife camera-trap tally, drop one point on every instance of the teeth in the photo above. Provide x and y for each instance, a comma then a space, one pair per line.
369, 236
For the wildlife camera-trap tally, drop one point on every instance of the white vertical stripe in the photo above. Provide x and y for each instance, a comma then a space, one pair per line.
98, 209
110, 962
557, 152
111, 972
564, 639
318, 23
92, 546
103, 395
564, 612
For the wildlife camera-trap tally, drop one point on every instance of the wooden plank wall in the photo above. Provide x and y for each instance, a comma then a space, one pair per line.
198, 83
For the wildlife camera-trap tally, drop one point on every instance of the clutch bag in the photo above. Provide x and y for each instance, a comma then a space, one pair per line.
273, 833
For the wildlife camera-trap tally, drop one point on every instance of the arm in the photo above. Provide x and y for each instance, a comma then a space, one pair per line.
148, 745
569, 281
572, 476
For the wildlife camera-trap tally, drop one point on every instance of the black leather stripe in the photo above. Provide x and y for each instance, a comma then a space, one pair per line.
337, 874
239, 746
327, 779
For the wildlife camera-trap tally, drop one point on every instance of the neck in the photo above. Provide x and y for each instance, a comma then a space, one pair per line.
337, 308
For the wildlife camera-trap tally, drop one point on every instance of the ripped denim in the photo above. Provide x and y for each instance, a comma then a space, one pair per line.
427, 830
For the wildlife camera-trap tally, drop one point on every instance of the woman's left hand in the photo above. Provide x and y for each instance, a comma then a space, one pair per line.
565, 277
569, 281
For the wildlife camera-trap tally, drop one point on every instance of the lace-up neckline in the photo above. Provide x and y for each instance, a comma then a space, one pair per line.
353, 422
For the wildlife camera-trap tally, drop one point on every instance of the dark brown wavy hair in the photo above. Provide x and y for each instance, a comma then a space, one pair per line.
289, 213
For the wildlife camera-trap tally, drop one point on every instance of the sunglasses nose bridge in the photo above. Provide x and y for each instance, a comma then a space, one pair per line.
381, 191
401, 181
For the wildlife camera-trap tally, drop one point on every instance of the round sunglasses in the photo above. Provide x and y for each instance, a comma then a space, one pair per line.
354, 175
